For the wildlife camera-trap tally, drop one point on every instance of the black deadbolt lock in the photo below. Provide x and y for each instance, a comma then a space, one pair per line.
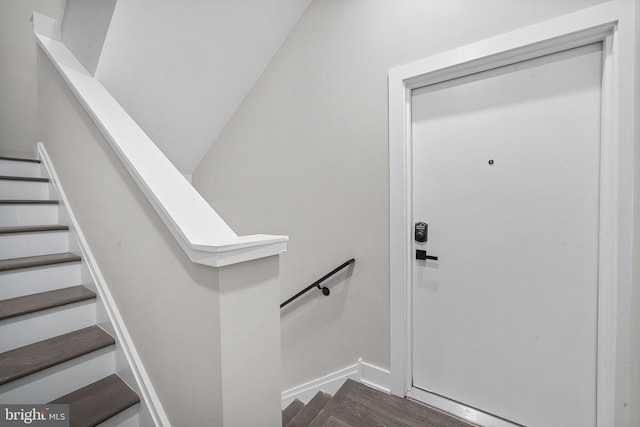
421, 232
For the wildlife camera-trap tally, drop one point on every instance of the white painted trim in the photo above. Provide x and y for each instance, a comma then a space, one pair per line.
374, 376
608, 219
201, 232
148, 393
612, 23
363, 372
329, 383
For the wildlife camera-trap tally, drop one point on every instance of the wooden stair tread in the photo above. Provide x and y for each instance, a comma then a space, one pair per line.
28, 202
37, 261
19, 159
98, 401
311, 410
26, 360
44, 300
340, 395
32, 229
291, 411
357, 405
23, 178
335, 422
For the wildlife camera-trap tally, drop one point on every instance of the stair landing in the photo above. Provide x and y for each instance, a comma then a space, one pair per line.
357, 405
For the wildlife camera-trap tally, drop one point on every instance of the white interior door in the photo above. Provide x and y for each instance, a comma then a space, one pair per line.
506, 175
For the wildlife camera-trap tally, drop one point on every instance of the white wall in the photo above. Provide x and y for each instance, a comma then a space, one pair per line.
180, 68
306, 154
84, 29
634, 416
169, 305
18, 127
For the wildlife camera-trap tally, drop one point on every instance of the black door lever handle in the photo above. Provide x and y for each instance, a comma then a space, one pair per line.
420, 254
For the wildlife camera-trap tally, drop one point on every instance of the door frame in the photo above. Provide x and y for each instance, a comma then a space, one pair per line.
611, 23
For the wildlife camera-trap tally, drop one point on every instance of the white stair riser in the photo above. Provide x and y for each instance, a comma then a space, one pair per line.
12, 168
32, 244
34, 327
23, 190
28, 215
33, 280
127, 418
47, 385
67, 377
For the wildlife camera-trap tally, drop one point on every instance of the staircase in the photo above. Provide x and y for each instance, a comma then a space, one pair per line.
51, 347
356, 405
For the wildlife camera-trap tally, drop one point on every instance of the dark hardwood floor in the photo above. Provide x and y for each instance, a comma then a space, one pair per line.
357, 405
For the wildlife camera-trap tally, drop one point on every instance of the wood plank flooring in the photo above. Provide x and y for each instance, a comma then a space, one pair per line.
311, 410
98, 401
28, 202
32, 228
291, 411
22, 178
37, 261
78, 355
357, 405
41, 355
19, 159
19, 306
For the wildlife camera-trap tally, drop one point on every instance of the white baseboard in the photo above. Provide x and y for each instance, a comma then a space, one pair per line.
361, 371
375, 377
147, 392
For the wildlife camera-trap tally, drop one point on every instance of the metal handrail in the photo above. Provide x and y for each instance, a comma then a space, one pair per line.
316, 284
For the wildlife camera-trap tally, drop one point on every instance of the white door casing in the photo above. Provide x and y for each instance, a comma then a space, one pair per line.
610, 23
506, 173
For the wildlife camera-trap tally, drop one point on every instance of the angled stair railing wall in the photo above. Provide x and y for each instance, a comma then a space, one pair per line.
201, 232
75, 107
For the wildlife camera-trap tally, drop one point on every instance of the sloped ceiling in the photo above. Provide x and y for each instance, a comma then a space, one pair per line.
84, 28
181, 67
